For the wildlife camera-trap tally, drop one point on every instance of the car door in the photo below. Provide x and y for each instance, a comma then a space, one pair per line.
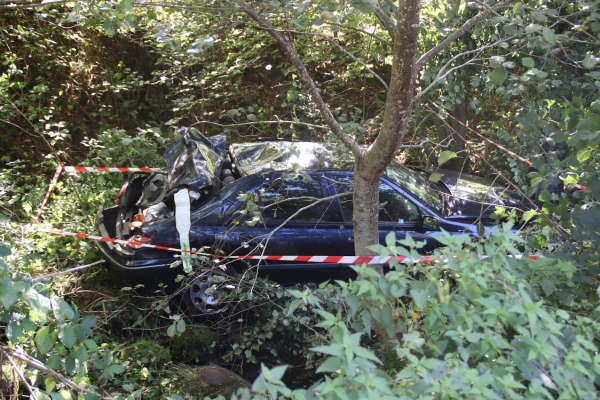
295, 220
398, 213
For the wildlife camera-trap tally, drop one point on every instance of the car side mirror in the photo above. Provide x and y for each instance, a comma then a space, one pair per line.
431, 223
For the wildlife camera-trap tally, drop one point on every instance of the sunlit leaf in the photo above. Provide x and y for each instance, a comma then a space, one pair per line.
446, 156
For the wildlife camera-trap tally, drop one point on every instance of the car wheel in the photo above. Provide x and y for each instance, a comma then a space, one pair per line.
205, 296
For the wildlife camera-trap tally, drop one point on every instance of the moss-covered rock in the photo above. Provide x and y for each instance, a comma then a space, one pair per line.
210, 381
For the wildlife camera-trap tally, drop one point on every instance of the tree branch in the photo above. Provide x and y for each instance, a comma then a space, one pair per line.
305, 77
380, 40
41, 367
18, 371
279, 121
387, 22
67, 271
461, 31
22, 4
442, 73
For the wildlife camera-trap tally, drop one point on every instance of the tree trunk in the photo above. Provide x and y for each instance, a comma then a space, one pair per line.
366, 209
371, 163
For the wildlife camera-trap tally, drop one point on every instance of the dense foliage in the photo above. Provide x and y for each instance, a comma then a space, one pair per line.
107, 83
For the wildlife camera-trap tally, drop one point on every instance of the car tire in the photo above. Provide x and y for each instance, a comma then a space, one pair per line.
205, 296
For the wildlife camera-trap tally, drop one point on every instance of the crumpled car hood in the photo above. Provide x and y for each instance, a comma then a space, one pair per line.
195, 161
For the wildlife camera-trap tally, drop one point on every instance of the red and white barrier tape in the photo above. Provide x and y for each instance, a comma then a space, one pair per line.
111, 169
309, 259
504, 149
62, 167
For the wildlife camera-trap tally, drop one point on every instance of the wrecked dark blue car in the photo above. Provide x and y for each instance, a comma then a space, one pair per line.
277, 197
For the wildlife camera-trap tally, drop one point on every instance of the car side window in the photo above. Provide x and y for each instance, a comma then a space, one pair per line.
395, 207
283, 197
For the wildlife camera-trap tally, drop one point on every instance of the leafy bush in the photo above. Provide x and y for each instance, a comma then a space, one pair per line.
47, 335
475, 324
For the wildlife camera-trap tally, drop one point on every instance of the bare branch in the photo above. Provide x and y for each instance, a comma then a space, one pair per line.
458, 33
278, 121
442, 73
41, 367
365, 66
380, 40
67, 271
22, 4
176, 6
423, 143
385, 20
18, 371
305, 77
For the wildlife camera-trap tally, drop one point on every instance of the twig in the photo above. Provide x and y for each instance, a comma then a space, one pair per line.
67, 271
443, 72
305, 77
41, 367
279, 121
18, 371
458, 33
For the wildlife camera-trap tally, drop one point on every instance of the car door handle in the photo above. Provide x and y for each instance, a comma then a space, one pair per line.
351, 238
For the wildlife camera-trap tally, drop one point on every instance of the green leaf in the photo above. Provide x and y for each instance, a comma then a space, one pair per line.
419, 297
364, 353
390, 239
53, 362
81, 354
181, 326
62, 309
45, 340
549, 35
275, 373
548, 287
545, 196
589, 61
8, 294
4, 251
14, 331
537, 180
171, 331
528, 62
435, 177
498, 76
251, 117
590, 124
108, 28
336, 350
583, 155
66, 334
331, 364
529, 214
446, 156
88, 323
91, 344
518, 8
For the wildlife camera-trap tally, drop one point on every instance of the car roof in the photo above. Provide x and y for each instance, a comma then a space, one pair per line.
285, 155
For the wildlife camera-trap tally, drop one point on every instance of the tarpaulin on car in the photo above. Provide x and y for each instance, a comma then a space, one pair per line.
195, 161
285, 155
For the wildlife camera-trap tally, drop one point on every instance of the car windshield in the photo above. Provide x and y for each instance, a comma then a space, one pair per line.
416, 183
